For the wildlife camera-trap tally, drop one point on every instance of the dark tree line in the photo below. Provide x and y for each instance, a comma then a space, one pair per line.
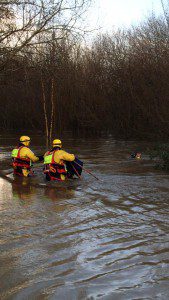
117, 85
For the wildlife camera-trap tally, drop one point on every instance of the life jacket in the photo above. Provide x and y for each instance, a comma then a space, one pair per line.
51, 168
19, 161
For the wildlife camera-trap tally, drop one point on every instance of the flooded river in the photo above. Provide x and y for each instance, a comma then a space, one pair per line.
86, 239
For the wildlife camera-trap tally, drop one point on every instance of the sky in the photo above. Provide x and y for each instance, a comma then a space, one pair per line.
109, 14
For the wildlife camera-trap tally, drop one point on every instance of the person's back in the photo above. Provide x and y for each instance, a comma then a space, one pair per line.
60, 156
54, 161
23, 157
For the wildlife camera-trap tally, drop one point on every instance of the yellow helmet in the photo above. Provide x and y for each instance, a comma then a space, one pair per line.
57, 143
24, 139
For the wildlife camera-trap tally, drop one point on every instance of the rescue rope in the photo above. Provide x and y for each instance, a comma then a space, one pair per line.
76, 171
87, 171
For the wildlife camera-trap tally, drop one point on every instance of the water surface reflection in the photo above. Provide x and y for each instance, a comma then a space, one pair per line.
87, 239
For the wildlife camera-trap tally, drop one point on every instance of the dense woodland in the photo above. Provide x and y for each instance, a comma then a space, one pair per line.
50, 80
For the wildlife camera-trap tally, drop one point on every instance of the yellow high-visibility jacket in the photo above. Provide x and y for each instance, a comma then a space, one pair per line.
60, 156
24, 154
27, 153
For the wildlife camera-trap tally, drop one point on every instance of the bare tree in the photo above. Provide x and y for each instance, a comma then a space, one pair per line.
165, 7
27, 26
28, 23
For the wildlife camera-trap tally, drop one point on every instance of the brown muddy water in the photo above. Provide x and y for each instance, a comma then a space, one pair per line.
86, 239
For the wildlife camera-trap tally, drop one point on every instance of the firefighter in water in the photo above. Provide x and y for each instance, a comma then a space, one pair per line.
23, 157
54, 162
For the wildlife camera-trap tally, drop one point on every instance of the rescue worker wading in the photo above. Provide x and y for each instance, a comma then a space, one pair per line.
54, 161
23, 157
